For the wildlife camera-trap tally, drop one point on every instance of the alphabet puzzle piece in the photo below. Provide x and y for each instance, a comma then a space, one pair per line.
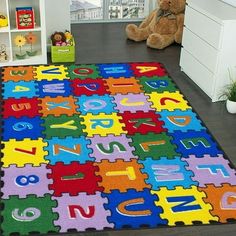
133, 209
184, 205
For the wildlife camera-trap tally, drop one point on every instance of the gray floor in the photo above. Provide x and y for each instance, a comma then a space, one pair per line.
107, 43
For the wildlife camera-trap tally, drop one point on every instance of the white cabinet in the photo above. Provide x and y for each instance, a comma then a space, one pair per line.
23, 46
209, 44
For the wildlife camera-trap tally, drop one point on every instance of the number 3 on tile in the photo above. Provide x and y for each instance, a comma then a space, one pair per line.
29, 214
23, 180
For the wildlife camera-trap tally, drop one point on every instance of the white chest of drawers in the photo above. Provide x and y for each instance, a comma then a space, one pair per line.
209, 44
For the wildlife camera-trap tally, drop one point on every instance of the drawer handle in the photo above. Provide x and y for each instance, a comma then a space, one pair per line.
63, 50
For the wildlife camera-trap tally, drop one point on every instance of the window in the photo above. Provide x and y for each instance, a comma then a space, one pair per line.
99, 10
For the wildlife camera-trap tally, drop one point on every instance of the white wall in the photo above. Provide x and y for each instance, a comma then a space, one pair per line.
57, 17
231, 2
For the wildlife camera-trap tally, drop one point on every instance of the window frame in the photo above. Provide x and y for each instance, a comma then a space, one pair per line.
106, 19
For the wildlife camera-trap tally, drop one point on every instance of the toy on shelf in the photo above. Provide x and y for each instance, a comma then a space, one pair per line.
3, 20
31, 40
20, 41
25, 18
3, 53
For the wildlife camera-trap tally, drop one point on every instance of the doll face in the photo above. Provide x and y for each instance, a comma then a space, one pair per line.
57, 37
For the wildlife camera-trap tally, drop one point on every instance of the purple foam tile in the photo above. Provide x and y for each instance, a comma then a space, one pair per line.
111, 147
211, 170
132, 102
82, 212
25, 180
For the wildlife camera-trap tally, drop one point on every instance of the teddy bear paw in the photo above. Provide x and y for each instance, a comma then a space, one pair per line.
132, 31
155, 41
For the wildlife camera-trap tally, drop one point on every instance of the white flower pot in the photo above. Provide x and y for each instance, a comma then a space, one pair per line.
231, 106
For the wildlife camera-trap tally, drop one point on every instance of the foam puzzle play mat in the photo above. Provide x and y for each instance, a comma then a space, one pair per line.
106, 146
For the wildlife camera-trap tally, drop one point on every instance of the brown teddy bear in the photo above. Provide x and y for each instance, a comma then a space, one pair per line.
162, 27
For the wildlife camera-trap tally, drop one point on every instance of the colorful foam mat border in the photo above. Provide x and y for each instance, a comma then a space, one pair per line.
106, 147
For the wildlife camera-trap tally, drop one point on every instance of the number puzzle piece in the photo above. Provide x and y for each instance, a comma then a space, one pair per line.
31, 214
24, 181
23, 127
20, 107
82, 212
74, 178
24, 152
19, 89
18, 73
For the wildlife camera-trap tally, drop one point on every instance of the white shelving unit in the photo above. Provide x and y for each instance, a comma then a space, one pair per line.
209, 47
9, 33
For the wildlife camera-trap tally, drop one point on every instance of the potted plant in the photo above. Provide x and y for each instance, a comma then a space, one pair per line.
229, 94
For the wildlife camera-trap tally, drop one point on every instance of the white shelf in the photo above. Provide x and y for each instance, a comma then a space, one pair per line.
9, 33
23, 30
4, 29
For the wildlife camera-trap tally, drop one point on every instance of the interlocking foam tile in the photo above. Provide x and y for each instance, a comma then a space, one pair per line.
18, 73
157, 84
106, 146
51, 72
84, 71
96, 104
19, 89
